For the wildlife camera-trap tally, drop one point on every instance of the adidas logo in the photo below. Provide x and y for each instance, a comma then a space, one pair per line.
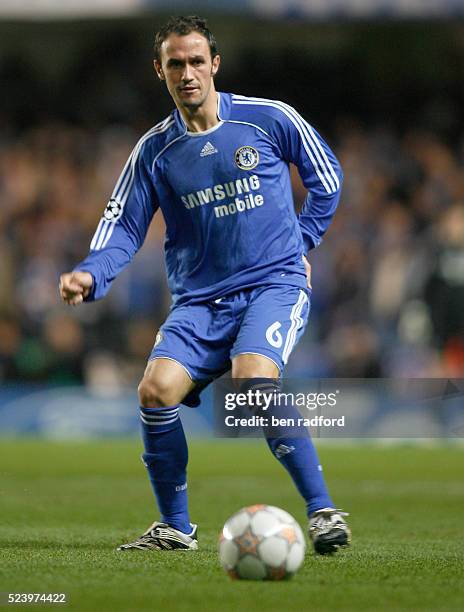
208, 149
282, 450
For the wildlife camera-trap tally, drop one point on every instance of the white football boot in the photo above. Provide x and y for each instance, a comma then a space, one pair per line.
328, 530
161, 536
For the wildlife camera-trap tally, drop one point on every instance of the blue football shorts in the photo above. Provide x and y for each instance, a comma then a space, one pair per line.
204, 337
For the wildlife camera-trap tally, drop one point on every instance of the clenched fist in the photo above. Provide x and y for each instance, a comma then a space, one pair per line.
75, 287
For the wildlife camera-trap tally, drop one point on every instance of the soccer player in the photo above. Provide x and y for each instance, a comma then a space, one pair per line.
218, 168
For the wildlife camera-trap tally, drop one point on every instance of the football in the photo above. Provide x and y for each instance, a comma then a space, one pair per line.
261, 542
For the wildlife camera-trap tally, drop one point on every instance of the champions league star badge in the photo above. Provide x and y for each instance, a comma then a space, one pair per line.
113, 210
246, 158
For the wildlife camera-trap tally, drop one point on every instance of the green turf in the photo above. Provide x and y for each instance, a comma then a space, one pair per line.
65, 506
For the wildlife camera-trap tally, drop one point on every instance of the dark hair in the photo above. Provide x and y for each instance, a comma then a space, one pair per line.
183, 26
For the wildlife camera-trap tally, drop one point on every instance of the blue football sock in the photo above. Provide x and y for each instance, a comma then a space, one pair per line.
299, 458
293, 447
166, 457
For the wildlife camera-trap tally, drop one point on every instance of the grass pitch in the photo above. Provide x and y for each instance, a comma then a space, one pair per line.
65, 506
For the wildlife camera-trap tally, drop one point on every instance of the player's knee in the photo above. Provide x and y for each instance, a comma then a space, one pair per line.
248, 366
156, 394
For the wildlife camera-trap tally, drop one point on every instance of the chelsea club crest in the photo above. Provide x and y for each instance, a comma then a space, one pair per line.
246, 158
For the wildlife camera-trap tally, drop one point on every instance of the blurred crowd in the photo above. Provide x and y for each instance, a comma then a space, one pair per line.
388, 280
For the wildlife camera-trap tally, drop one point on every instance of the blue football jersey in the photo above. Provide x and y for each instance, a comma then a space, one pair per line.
226, 198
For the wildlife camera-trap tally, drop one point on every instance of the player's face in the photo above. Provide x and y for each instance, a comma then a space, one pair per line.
187, 67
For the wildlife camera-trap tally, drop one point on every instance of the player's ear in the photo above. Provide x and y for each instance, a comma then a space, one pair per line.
158, 69
215, 64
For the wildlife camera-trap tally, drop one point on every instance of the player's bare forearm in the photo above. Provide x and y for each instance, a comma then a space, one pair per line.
75, 287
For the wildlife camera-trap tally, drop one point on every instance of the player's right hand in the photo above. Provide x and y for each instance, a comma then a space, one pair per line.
75, 287
307, 266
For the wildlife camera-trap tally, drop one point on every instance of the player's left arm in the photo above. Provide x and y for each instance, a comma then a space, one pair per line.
320, 172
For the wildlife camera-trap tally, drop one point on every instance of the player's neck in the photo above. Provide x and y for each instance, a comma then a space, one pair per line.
204, 117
